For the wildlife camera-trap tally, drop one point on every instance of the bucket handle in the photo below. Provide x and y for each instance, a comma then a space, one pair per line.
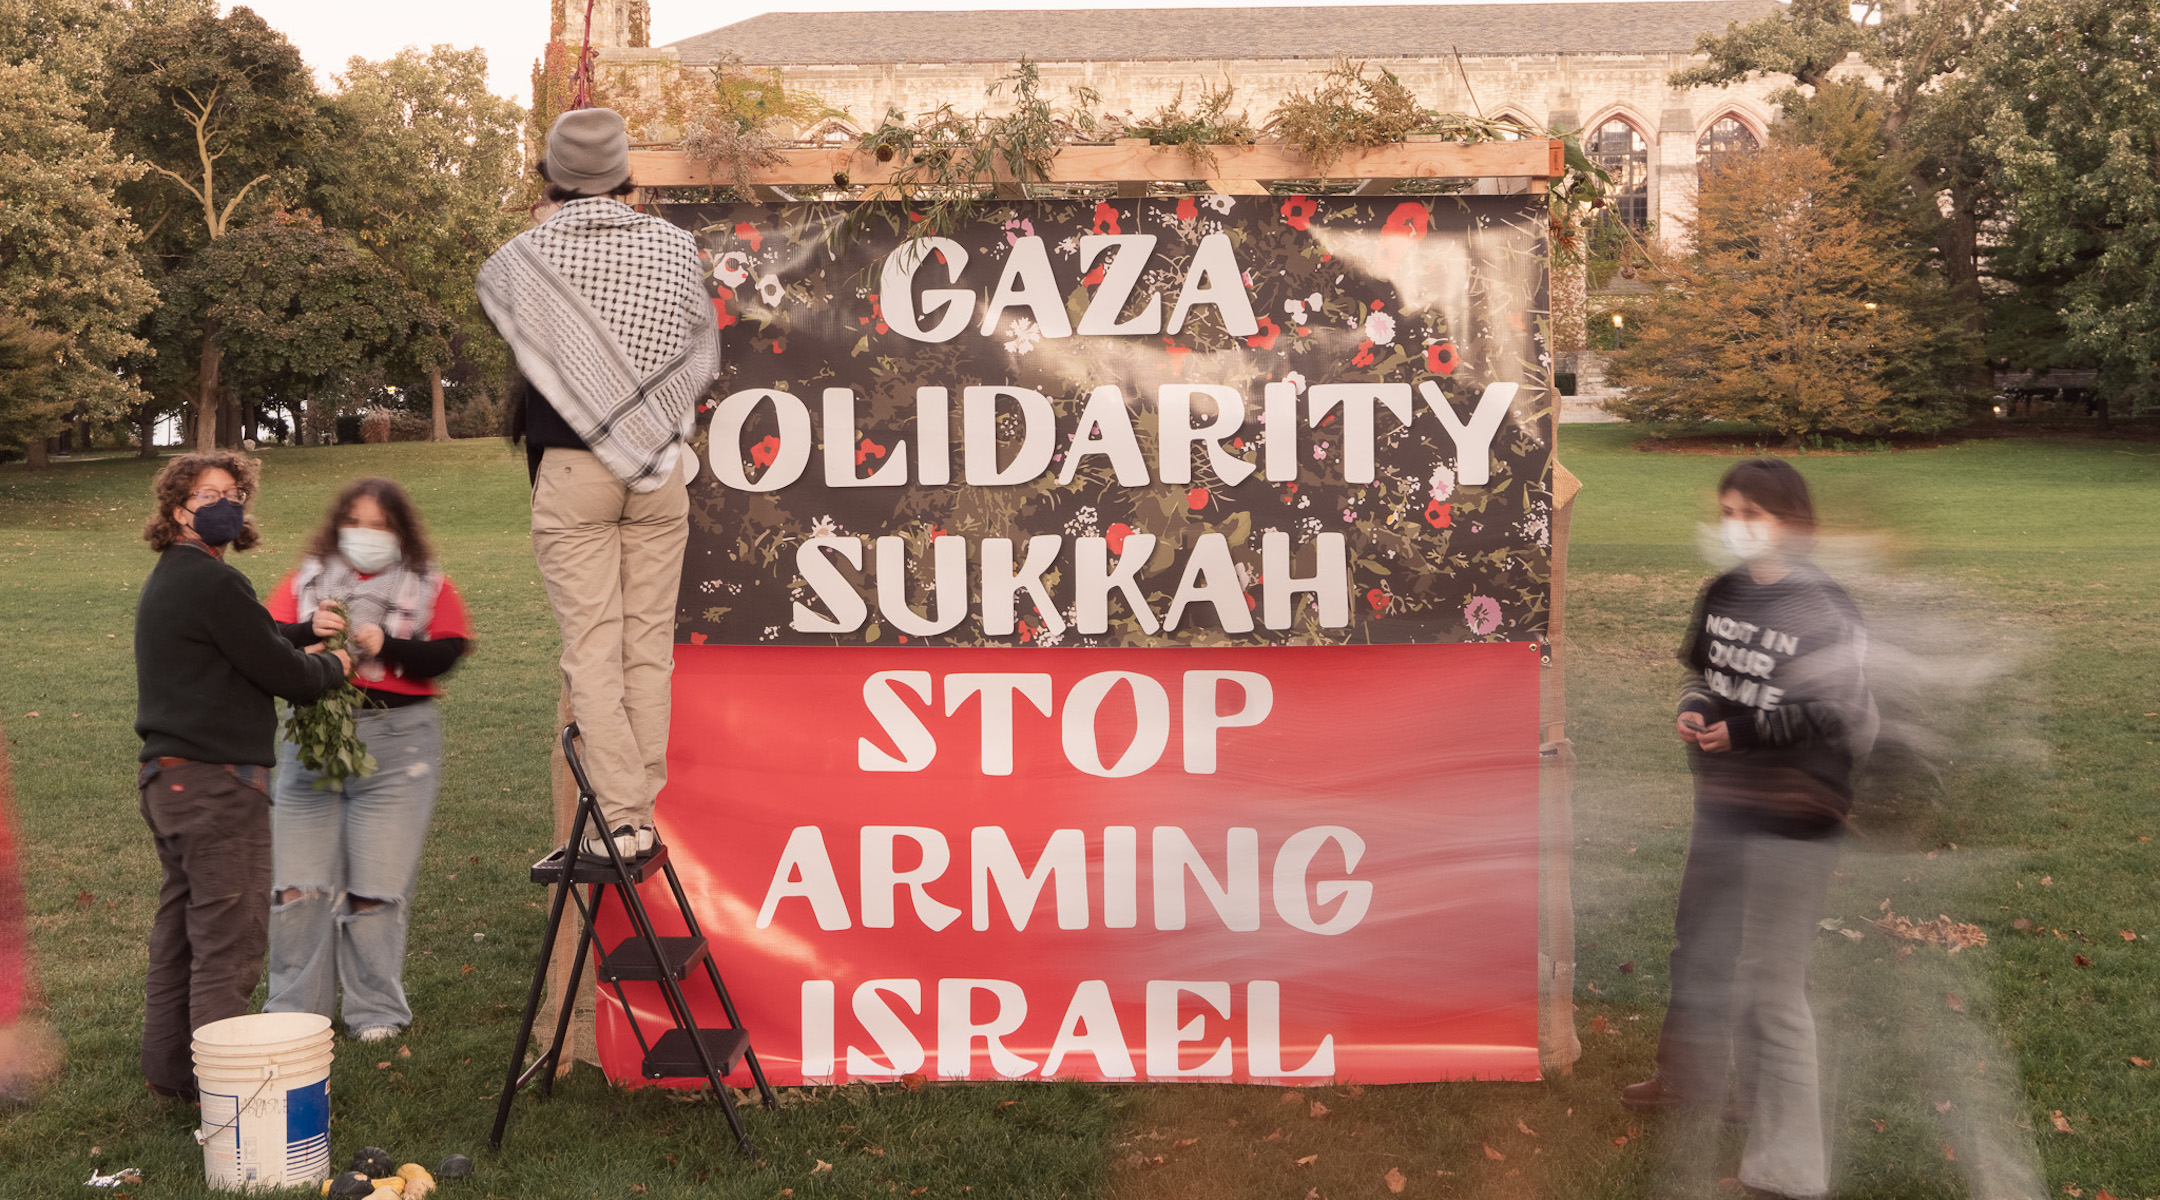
270, 1072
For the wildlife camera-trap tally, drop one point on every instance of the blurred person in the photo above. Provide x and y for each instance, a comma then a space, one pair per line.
1774, 710
612, 327
346, 858
210, 665
29, 1053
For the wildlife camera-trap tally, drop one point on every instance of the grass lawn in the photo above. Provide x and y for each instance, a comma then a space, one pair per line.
2010, 582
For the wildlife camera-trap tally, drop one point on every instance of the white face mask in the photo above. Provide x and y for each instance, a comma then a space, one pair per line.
368, 550
1747, 540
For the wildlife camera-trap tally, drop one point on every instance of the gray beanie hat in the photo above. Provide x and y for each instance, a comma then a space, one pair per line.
588, 151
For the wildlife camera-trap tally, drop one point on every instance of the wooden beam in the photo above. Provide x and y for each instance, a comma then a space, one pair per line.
817, 167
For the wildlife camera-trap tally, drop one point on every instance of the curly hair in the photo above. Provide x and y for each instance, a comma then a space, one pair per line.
1775, 486
398, 512
176, 483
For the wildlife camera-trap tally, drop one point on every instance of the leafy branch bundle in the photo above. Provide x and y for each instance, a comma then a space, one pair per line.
324, 732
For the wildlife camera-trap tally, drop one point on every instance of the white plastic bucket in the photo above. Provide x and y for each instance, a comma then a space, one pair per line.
265, 1084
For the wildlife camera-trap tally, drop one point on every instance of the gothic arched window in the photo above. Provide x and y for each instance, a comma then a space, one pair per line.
1510, 134
1725, 137
1621, 149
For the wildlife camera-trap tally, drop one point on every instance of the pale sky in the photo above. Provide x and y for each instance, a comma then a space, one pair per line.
513, 31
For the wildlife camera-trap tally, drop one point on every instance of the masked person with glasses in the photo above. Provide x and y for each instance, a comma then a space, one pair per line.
209, 666
347, 857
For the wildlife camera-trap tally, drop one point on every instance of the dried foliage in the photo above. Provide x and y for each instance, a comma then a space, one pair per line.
740, 120
946, 159
1346, 110
1942, 931
1198, 132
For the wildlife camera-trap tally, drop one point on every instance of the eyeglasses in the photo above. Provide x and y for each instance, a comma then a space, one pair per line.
213, 495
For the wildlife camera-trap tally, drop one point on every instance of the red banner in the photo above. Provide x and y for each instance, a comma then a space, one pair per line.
1286, 865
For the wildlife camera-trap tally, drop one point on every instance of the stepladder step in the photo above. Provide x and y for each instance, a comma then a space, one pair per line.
675, 1057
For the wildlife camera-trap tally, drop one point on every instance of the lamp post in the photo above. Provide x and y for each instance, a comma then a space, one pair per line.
1619, 322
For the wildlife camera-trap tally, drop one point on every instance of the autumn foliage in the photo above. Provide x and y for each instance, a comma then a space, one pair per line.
1794, 307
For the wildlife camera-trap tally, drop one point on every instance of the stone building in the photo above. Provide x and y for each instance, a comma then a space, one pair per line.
1600, 68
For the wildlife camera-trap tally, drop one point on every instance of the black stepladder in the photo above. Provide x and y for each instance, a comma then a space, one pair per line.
682, 1052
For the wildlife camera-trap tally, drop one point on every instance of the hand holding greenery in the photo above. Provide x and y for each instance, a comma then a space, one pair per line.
324, 731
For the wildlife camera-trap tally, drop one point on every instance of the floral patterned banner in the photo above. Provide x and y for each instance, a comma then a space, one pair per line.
1203, 421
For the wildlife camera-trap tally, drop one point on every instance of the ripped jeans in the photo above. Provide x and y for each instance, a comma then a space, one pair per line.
344, 865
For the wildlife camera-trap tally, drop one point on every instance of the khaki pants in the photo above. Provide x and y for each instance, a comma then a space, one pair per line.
612, 561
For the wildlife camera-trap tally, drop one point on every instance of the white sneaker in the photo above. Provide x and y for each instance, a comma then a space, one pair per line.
647, 838
376, 1033
626, 843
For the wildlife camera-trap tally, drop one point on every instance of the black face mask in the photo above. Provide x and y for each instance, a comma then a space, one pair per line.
219, 522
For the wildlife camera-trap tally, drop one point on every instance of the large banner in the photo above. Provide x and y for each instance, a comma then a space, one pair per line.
1109, 639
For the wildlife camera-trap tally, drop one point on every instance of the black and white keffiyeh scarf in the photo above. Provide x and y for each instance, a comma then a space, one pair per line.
399, 599
607, 312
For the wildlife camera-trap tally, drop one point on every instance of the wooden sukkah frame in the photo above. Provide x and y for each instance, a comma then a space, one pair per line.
1133, 168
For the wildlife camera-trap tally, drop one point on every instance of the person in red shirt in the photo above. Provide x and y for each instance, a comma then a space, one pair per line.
346, 857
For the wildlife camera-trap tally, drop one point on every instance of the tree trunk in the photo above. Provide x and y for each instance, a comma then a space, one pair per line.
146, 420
228, 419
250, 414
435, 397
36, 455
299, 421
206, 400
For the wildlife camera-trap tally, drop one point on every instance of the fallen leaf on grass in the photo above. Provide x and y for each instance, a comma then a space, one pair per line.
1619, 1141
1879, 1125
1181, 1143
1949, 1152
910, 1082
2135, 1061
2080, 960
2062, 1123
2047, 881
383, 1065
2128, 936
2021, 923
1319, 1109
84, 900
1493, 1154
1943, 1106
2102, 1194
877, 1150
1291, 1098
404, 1051
1273, 1137
1308, 1160
1394, 1180
1956, 1002
1525, 1128
1627, 968
821, 1167
1942, 931
1600, 1025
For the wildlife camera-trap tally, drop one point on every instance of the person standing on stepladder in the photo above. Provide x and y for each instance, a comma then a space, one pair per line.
607, 313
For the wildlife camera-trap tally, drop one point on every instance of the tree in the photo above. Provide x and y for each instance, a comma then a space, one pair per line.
1929, 120
29, 356
220, 108
2075, 134
1790, 308
66, 266
296, 308
421, 173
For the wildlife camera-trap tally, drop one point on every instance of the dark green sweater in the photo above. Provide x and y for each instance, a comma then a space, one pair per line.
208, 660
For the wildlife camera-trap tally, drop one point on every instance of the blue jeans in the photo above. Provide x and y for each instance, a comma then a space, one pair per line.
344, 863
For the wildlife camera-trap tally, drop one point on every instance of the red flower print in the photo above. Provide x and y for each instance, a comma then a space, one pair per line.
721, 316
1377, 305
779, 346
1179, 356
1439, 515
1265, 339
1027, 632
1106, 218
1298, 212
765, 452
697, 639
749, 233
1378, 599
1441, 358
867, 449
1196, 499
1116, 535
1093, 277
1410, 219
1186, 209
1364, 355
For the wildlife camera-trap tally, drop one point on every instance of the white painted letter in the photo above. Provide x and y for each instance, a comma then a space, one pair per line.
908, 734
1215, 278
1175, 434
840, 447
1120, 275
1211, 578
997, 689
828, 584
1473, 441
1295, 859
805, 870
1093, 579
896, 290
724, 440
979, 436
1151, 732
1104, 1039
1357, 400
1329, 583
1165, 1037
1107, 416
1027, 283
1202, 720
1263, 1037
948, 585
1236, 897
880, 877
894, 1039
1064, 861
1002, 585
958, 1028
